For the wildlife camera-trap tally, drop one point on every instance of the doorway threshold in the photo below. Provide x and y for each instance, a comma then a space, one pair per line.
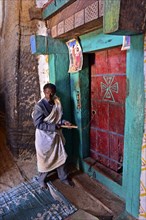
93, 164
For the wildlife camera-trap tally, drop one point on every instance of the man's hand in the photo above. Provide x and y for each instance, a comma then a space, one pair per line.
67, 123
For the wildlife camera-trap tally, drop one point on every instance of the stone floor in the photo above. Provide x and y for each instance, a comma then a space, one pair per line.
90, 197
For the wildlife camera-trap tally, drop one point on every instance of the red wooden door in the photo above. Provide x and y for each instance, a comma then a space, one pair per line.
108, 94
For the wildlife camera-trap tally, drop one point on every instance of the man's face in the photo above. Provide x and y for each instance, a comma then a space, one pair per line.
49, 94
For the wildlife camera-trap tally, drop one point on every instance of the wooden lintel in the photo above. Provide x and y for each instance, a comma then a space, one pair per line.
86, 28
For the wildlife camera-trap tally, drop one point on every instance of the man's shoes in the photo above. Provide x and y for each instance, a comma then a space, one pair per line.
68, 182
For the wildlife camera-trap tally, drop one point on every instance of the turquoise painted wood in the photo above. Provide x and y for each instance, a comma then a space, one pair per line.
52, 68
134, 126
54, 7
47, 45
96, 40
55, 46
80, 108
111, 16
59, 75
85, 106
38, 44
76, 119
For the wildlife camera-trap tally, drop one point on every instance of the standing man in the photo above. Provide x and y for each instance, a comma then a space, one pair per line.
49, 140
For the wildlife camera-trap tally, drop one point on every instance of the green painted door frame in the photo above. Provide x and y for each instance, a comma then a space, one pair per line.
134, 124
129, 191
58, 74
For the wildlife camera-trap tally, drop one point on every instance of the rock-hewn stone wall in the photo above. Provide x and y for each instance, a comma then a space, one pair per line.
19, 82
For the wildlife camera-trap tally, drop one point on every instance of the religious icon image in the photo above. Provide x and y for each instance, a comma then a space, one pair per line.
75, 56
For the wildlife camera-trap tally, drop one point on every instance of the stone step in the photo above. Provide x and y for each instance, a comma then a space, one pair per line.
101, 195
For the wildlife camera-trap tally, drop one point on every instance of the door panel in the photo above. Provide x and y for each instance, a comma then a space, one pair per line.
108, 94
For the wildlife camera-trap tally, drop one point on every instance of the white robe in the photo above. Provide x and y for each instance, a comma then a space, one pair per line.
50, 145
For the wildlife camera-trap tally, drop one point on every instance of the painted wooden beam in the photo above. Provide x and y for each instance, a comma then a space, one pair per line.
58, 74
76, 118
56, 46
38, 44
79, 82
111, 16
85, 106
55, 6
134, 126
96, 40
52, 68
47, 45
